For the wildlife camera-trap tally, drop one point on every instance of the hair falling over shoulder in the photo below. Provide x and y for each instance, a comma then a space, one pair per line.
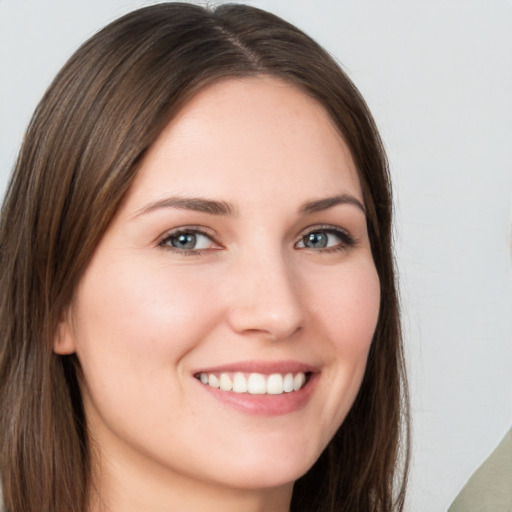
80, 155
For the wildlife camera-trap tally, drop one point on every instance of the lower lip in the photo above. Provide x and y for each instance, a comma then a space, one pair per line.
266, 405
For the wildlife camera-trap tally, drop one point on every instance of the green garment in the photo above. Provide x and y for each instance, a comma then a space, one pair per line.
490, 487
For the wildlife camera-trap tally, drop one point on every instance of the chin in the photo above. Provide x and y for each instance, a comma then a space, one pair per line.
265, 470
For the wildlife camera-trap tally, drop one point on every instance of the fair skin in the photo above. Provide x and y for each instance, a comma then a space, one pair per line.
223, 262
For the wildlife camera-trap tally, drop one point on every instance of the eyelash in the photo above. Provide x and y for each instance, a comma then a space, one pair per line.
192, 230
346, 240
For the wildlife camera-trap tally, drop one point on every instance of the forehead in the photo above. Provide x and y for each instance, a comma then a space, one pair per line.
238, 134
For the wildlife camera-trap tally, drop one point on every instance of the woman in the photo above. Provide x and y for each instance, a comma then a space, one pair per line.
199, 308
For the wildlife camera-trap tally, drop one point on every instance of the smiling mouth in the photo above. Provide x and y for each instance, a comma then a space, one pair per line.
255, 383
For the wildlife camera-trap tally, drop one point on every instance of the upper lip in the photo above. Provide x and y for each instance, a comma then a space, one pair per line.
263, 367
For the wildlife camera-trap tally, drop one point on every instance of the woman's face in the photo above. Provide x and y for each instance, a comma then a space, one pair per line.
240, 257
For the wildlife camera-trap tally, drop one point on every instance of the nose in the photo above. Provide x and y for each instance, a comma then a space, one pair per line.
266, 299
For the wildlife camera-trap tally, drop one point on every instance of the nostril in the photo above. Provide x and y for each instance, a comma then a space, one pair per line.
257, 321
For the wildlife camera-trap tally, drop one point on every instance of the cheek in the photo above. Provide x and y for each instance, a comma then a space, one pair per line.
132, 331
128, 322
127, 303
349, 309
344, 316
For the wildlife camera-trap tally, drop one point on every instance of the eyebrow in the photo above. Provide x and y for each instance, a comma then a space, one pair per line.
329, 202
196, 204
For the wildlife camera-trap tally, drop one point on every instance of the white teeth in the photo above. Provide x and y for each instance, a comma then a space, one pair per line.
288, 383
298, 381
275, 384
226, 384
213, 381
239, 383
255, 383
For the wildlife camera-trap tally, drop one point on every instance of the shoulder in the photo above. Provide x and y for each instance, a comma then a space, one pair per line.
489, 487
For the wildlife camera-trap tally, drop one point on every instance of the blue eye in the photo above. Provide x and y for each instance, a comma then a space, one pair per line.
316, 240
325, 239
188, 240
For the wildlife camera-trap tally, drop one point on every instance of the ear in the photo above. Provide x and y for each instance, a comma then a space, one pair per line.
64, 342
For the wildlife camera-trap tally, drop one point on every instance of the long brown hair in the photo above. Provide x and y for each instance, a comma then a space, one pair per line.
79, 157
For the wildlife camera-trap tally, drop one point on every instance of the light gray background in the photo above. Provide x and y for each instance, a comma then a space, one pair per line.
438, 78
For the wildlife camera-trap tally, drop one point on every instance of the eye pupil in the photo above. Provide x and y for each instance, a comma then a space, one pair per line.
316, 240
184, 241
